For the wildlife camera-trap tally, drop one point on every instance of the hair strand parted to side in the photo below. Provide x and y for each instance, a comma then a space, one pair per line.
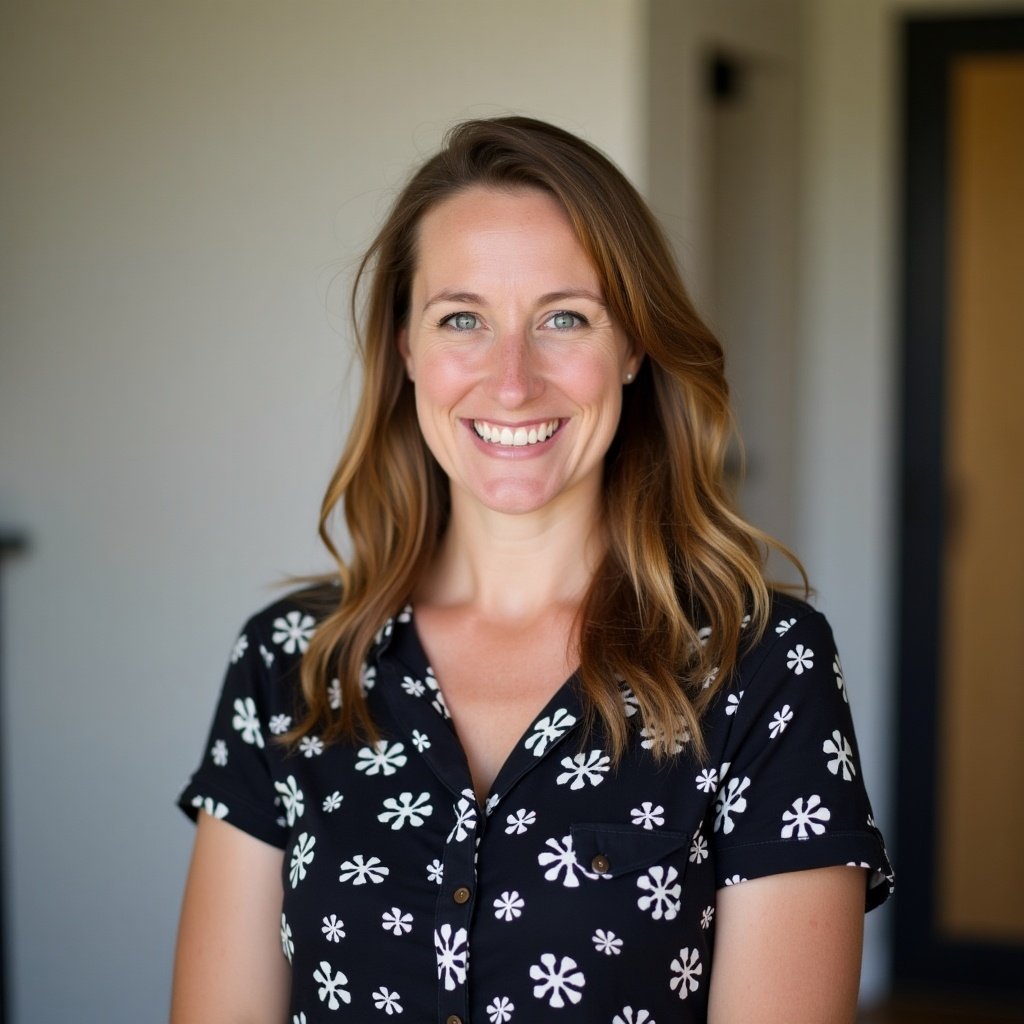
681, 588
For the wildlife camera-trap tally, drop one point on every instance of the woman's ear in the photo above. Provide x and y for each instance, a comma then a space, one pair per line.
402, 342
633, 364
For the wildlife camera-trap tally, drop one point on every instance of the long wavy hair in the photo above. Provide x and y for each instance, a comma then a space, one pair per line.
681, 586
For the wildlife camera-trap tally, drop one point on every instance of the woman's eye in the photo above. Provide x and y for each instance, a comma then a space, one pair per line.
462, 321
565, 321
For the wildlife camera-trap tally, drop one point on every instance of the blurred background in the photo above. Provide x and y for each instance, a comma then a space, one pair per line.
184, 190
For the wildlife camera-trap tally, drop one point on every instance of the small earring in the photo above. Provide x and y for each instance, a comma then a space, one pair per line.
629, 378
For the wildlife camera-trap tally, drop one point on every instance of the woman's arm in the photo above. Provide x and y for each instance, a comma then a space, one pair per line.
229, 968
788, 948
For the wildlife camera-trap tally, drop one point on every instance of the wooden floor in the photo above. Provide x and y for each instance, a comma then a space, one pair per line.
934, 1011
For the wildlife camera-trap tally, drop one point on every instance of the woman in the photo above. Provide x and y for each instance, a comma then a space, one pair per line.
554, 750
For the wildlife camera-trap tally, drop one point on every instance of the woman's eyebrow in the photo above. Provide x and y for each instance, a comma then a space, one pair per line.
572, 293
472, 299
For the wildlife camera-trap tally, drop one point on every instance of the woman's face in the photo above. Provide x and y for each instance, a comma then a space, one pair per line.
518, 367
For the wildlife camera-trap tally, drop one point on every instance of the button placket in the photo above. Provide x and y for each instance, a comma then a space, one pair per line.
454, 908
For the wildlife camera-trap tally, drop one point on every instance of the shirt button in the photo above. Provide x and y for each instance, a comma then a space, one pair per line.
599, 865
461, 895
452, 1019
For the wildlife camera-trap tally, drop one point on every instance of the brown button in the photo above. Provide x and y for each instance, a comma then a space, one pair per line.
452, 1019
600, 864
461, 895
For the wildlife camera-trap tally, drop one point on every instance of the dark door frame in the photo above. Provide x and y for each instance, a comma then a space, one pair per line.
922, 956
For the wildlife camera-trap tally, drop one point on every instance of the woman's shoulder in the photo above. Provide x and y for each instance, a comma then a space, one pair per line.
796, 641
301, 609
787, 615
786, 606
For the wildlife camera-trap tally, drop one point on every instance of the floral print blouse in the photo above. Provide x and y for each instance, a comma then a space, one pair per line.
581, 891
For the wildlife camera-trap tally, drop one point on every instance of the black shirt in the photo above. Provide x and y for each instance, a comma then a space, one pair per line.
581, 891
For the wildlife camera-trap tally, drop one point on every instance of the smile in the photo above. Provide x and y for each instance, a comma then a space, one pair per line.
518, 437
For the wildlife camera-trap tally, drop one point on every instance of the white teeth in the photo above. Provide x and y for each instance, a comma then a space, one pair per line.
521, 437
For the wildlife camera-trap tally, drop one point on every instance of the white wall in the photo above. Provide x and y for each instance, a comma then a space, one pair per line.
180, 184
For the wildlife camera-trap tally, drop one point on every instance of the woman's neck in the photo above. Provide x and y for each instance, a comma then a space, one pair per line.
514, 567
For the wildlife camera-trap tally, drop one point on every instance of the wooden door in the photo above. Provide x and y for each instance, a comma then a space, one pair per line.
960, 920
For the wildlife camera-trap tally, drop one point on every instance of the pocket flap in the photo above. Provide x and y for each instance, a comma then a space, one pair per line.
613, 850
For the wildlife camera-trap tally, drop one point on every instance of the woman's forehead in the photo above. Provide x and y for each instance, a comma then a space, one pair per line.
486, 238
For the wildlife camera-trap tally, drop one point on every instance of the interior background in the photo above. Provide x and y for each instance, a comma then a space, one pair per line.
183, 191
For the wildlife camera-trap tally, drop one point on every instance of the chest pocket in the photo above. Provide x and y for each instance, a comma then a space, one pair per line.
615, 850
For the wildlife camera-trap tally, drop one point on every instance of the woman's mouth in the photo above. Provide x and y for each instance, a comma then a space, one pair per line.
515, 437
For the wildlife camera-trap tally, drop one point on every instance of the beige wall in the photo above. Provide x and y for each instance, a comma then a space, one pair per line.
180, 185
181, 182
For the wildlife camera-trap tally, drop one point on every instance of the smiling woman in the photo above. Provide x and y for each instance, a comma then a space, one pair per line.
517, 393
549, 746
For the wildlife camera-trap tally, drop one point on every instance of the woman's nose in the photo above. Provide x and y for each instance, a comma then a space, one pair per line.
515, 371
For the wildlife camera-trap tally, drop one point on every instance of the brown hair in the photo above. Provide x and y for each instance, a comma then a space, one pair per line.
682, 578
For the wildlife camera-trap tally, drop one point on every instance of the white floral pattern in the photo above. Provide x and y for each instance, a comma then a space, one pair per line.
698, 849
247, 722
837, 671
730, 801
332, 990
287, 943
627, 1015
280, 724
406, 854
383, 758
452, 949
500, 1010
686, 972
780, 720
302, 855
311, 746
388, 1001
648, 815
241, 646
559, 980
584, 769
406, 810
607, 942
653, 737
661, 892
841, 760
560, 859
291, 798
805, 817
547, 730
465, 817
520, 821
293, 632
396, 921
508, 906
800, 659
334, 694
361, 869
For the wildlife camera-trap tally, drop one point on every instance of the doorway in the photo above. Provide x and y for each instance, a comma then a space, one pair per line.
960, 913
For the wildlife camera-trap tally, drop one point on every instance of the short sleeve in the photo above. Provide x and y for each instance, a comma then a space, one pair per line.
791, 793
235, 780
